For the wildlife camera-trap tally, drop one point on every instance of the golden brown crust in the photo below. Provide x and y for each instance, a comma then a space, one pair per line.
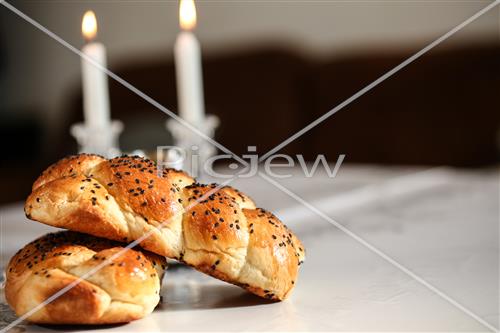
126, 198
125, 285
274, 256
120, 199
76, 164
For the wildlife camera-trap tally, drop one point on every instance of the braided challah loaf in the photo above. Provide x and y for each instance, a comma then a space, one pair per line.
124, 198
125, 288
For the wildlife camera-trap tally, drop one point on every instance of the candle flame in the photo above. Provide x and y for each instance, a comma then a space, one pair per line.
89, 25
187, 14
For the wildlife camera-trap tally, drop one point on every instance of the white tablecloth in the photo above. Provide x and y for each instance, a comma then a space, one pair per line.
441, 224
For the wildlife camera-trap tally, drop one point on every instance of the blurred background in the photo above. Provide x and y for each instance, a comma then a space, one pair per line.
270, 68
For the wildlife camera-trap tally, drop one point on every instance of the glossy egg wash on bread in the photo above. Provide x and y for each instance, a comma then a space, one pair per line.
218, 231
109, 284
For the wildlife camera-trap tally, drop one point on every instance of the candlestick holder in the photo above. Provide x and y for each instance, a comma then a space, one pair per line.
196, 150
103, 142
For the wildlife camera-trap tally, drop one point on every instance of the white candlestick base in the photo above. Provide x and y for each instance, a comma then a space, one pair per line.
99, 141
197, 150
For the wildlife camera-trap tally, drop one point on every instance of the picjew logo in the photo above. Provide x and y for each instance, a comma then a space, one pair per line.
277, 166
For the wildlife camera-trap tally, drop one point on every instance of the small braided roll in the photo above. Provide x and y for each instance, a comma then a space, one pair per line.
124, 198
125, 288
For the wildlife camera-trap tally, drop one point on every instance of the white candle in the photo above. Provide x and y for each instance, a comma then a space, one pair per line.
94, 80
189, 76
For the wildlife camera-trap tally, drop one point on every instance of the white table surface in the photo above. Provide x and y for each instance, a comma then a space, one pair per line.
442, 224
